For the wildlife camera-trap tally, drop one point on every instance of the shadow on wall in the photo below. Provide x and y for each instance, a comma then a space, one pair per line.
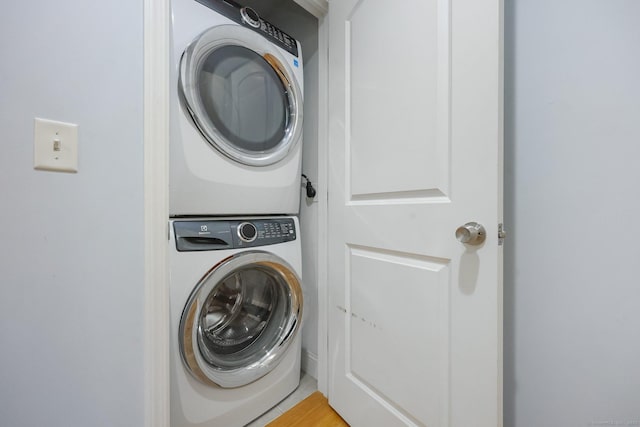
509, 279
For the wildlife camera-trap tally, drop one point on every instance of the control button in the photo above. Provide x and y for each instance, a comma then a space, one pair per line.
250, 16
247, 232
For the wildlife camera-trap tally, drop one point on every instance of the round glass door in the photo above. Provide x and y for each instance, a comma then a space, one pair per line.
241, 96
240, 319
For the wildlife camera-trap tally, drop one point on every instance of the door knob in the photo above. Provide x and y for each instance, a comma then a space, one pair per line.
471, 233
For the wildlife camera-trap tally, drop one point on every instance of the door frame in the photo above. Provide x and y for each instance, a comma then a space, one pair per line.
157, 26
320, 9
323, 203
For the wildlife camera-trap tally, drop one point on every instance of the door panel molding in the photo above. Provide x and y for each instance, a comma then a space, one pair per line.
381, 71
421, 309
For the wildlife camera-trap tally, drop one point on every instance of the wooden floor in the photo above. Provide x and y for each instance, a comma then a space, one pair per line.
314, 411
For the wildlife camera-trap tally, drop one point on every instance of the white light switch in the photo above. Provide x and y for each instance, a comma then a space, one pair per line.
55, 146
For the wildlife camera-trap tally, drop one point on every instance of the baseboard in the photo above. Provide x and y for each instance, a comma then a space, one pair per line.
309, 363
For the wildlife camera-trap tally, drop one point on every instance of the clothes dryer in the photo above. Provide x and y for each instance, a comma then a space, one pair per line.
236, 112
236, 309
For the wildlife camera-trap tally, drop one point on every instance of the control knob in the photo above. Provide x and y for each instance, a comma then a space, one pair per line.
250, 16
247, 232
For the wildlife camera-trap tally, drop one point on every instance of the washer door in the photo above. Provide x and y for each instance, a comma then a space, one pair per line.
241, 95
240, 319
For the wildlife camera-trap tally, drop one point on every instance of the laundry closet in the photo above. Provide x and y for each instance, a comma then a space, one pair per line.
239, 127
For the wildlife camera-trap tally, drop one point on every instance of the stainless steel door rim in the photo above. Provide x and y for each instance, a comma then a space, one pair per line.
240, 319
285, 95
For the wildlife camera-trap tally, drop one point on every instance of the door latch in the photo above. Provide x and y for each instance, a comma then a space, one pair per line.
502, 234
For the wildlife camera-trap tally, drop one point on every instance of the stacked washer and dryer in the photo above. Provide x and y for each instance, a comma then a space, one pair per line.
235, 157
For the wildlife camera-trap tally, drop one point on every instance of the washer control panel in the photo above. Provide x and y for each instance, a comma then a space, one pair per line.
250, 19
211, 235
259, 232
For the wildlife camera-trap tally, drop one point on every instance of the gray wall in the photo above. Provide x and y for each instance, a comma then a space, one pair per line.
71, 259
572, 146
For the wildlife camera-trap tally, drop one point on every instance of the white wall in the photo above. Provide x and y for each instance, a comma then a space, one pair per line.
572, 141
71, 259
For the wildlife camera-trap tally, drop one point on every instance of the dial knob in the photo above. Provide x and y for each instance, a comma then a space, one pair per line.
247, 232
250, 16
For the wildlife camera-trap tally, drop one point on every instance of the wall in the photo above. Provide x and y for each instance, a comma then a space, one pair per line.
300, 24
71, 260
572, 144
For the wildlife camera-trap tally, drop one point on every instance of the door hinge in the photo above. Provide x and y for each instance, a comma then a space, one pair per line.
502, 234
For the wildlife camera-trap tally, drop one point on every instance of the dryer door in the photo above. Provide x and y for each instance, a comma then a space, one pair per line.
240, 319
242, 95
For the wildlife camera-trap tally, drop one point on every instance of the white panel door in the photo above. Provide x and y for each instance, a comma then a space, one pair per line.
415, 151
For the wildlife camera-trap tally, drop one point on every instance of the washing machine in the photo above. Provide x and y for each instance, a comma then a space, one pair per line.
236, 310
236, 112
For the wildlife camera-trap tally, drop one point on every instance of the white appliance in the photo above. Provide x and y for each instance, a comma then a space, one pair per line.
236, 112
236, 309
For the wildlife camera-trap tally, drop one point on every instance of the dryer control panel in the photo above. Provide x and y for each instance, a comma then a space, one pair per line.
211, 235
250, 19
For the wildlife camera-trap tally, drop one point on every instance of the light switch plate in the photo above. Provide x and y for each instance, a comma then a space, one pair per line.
55, 146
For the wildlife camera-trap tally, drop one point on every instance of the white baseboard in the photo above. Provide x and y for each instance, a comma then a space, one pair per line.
309, 363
